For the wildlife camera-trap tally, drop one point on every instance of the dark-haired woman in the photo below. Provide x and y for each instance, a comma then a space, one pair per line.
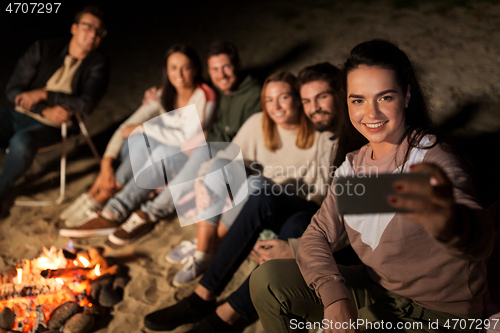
423, 271
182, 86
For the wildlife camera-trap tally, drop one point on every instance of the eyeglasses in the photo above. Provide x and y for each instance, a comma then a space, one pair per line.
89, 27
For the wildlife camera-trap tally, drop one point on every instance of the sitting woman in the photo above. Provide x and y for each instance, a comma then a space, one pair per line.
182, 86
283, 141
422, 270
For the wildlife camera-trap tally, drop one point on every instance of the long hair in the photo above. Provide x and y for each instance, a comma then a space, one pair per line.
305, 137
169, 95
384, 54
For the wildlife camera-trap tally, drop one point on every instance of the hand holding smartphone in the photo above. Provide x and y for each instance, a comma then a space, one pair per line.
369, 194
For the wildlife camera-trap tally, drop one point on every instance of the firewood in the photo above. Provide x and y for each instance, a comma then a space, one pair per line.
79, 323
62, 313
7, 318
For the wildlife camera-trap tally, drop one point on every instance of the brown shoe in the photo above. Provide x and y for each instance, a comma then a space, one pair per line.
136, 226
93, 225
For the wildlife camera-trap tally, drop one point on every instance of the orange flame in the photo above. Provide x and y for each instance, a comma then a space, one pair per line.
84, 261
19, 275
97, 270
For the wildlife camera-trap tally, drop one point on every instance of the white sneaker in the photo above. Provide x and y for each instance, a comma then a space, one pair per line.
191, 270
74, 206
79, 210
181, 253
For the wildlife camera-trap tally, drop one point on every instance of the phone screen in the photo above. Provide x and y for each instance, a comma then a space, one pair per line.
367, 195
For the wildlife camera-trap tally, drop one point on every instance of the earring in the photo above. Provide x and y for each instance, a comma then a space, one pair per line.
406, 106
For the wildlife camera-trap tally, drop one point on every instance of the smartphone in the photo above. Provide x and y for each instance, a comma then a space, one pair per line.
367, 195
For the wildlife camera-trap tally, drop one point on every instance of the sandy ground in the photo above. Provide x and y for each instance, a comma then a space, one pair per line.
455, 44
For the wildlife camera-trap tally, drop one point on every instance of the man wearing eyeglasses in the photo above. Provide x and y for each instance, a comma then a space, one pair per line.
51, 81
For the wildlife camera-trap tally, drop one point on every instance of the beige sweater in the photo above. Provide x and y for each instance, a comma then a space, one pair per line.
288, 163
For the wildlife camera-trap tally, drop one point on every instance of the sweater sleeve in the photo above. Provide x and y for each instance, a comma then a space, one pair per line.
141, 115
315, 258
473, 236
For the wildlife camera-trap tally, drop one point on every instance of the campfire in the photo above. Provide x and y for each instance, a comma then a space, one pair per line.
61, 290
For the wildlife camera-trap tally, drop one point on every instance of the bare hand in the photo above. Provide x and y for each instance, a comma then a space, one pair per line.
203, 200
272, 249
57, 114
432, 204
127, 130
150, 95
343, 313
29, 98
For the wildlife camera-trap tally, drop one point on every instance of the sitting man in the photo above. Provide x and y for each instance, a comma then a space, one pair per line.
52, 80
239, 98
286, 215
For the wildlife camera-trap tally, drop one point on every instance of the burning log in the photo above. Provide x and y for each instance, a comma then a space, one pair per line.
62, 314
54, 278
73, 272
10, 290
7, 319
108, 297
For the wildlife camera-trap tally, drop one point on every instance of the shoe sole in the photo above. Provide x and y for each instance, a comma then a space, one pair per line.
120, 241
85, 233
162, 328
179, 285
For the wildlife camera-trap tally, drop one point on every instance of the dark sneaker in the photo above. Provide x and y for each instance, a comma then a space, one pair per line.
190, 310
93, 225
136, 226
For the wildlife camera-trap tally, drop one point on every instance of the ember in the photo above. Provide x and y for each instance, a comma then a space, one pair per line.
49, 291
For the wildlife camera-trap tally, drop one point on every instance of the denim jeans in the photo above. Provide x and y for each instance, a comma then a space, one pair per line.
124, 171
288, 216
164, 203
134, 193
23, 136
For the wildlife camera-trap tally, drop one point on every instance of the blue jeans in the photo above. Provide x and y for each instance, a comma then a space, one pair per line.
288, 216
164, 203
124, 171
133, 195
23, 136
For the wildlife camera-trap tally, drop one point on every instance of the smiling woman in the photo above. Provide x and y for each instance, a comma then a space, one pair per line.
411, 261
281, 107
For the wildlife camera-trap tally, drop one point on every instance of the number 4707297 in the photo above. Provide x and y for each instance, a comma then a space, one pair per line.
32, 7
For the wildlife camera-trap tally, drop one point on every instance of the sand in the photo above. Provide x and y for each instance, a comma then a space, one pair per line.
455, 44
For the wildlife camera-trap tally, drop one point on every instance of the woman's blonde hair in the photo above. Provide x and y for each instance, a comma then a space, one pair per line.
305, 137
